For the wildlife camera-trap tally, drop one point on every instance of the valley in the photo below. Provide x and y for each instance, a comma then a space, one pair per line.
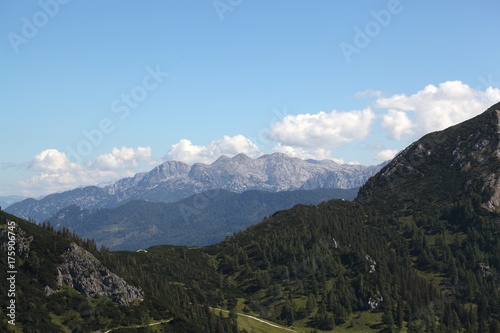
415, 251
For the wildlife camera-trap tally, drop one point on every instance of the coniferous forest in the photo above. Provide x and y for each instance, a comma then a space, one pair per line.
417, 251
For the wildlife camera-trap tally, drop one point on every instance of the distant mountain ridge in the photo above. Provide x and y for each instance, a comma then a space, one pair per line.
417, 251
6, 201
172, 181
201, 219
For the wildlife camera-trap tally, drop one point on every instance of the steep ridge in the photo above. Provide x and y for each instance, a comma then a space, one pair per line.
462, 161
172, 181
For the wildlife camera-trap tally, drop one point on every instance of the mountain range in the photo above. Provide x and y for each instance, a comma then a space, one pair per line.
201, 219
418, 250
173, 181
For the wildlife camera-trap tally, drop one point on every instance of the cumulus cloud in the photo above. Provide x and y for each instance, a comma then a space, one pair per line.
54, 172
124, 157
385, 155
397, 123
307, 136
51, 160
190, 153
434, 108
322, 130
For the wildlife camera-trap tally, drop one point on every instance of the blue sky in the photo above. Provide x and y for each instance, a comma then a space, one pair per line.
94, 91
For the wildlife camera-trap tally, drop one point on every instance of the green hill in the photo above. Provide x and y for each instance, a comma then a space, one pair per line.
32, 261
417, 251
420, 246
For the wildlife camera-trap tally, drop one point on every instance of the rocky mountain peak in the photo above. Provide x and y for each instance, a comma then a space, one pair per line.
172, 181
278, 155
221, 159
241, 158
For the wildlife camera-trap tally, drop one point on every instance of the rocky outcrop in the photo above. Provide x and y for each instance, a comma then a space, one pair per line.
493, 180
375, 300
493, 204
372, 262
86, 274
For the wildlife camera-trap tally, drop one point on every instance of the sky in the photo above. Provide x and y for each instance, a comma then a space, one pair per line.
94, 91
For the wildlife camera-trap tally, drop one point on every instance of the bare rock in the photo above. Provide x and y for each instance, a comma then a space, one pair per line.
86, 274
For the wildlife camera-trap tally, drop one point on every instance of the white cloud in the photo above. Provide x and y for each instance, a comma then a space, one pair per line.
387, 154
307, 153
51, 160
124, 157
397, 123
435, 107
187, 152
56, 173
322, 130
306, 136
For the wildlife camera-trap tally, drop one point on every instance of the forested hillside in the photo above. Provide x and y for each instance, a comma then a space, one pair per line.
417, 251
202, 219
420, 246
39, 253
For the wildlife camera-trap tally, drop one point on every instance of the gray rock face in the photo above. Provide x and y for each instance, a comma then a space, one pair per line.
85, 273
480, 153
493, 179
173, 181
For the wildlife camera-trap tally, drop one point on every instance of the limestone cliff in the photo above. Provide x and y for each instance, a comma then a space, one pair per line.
86, 274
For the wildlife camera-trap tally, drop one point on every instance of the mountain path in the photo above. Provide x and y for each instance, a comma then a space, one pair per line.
261, 320
139, 326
